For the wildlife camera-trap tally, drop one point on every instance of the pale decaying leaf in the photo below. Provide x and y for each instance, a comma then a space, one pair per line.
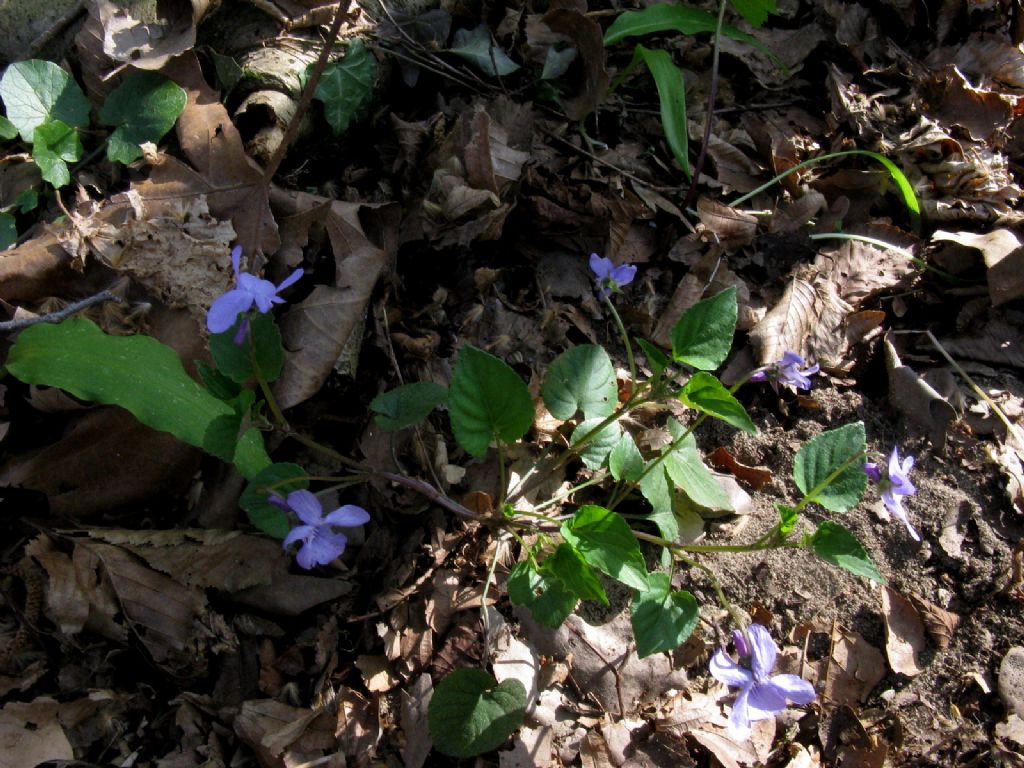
31, 734
705, 718
148, 44
916, 399
731, 228
904, 633
853, 668
415, 703
512, 659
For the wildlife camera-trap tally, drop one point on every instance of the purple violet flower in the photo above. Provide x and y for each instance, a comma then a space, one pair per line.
786, 372
610, 278
320, 544
760, 696
893, 482
251, 290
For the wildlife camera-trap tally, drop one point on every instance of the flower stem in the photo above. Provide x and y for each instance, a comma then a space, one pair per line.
625, 340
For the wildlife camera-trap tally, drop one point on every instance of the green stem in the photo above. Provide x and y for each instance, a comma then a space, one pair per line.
598, 478
625, 340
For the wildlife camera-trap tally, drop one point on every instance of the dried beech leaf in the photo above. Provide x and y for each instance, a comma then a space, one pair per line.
854, 668
787, 324
904, 633
915, 398
940, 623
755, 477
733, 228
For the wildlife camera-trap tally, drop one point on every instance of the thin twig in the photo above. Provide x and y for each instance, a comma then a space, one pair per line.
60, 314
307, 94
710, 118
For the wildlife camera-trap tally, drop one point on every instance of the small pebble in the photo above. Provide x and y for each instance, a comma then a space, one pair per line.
1011, 680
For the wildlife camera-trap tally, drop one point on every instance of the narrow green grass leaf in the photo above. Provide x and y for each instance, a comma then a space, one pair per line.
672, 98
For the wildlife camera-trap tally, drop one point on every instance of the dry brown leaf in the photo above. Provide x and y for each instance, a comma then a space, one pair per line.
940, 623
755, 477
916, 399
787, 324
999, 341
67, 604
586, 37
232, 181
415, 702
904, 633
790, 46
952, 100
107, 459
731, 228
31, 734
377, 674
854, 667
1003, 251
358, 725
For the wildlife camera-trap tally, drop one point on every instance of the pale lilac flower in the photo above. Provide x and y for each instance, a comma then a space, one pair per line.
320, 544
761, 696
893, 482
251, 290
787, 372
610, 278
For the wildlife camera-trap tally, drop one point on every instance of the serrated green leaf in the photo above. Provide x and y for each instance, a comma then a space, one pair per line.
754, 11
703, 335
668, 79
8, 231
549, 601
823, 455
407, 405
54, 145
470, 713
486, 401
7, 129
706, 393
687, 470
604, 539
236, 360
581, 378
657, 359
787, 518
599, 447
144, 107
625, 461
662, 619
280, 479
568, 566
36, 92
346, 87
476, 46
835, 544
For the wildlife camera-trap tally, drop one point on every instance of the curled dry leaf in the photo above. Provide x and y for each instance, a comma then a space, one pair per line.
148, 44
940, 623
586, 37
755, 477
916, 399
904, 633
1003, 251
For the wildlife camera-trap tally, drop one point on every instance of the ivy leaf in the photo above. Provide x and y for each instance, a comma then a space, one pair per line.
407, 405
703, 335
821, 456
36, 92
470, 713
476, 46
606, 542
835, 544
581, 378
346, 87
54, 145
754, 11
547, 598
487, 400
706, 393
662, 619
144, 108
